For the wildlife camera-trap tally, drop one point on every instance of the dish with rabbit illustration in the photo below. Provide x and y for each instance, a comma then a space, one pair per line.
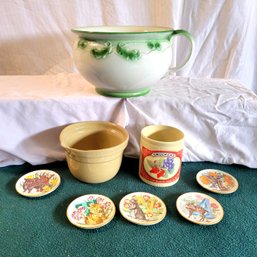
142, 208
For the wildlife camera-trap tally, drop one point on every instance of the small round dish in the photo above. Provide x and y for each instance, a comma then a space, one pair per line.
217, 181
38, 183
142, 208
91, 211
199, 208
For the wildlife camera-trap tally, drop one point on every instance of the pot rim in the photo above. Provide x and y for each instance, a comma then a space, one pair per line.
120, 147
117, 30
147, 131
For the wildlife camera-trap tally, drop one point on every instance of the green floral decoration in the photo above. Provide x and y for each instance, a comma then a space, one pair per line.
126, 53
82, 44
154, 45
103, 52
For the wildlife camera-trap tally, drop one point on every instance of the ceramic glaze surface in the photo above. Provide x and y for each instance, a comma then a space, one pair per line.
91, 211
160, 155
94, 149
125, 61
142, 208
38, 183
200, 208
217, 181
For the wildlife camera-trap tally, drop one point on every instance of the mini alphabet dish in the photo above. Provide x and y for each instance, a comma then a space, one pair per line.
217, 181
142, 208
38, 183
199, 208
91, 211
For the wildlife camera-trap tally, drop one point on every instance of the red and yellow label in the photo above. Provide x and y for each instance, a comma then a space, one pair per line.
161, 167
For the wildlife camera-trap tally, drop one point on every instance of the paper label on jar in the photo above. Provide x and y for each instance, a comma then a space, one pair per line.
160, 166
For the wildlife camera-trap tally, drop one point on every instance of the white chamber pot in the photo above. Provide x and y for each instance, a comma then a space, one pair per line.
126, 61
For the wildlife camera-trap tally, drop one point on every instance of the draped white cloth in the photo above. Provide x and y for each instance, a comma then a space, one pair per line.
217, 116
36, 38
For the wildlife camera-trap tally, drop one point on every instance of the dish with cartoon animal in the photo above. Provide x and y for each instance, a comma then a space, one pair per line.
142, 208
199, 208
217, 181
38, 183
91, 211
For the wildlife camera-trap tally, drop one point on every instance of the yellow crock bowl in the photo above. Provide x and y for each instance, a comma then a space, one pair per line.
94, 149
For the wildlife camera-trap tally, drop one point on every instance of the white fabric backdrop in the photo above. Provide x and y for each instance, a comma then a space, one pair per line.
35, 35
217, 116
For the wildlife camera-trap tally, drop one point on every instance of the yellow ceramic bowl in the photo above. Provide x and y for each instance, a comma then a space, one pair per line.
94, 149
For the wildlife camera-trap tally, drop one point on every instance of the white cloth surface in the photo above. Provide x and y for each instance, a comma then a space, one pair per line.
36, 35
218, 116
